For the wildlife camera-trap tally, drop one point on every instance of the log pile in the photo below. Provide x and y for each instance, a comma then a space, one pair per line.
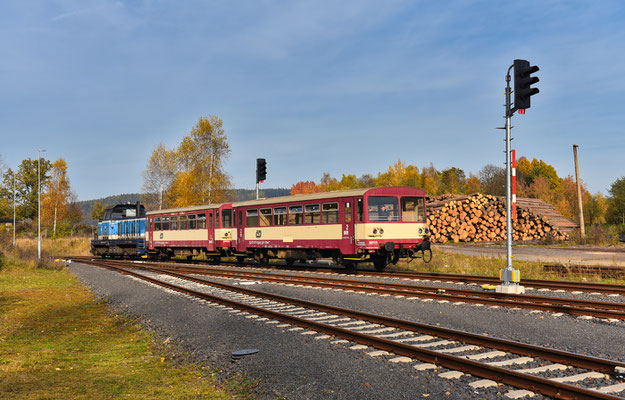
479, 217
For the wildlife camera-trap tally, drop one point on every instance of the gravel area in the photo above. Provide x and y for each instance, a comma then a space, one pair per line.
295, 366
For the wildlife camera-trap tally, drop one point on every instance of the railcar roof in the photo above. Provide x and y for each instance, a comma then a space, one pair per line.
185, 209
400, 191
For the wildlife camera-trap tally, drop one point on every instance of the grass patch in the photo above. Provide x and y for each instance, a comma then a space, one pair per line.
454, 263
58, 342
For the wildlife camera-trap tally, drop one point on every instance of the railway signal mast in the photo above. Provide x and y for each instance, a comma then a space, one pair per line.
261, 172
523, 92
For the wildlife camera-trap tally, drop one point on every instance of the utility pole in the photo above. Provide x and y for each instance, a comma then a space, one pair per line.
39, 203
582, 228
13, 210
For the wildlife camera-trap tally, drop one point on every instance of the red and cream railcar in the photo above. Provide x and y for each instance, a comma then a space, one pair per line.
191, 231
380, 225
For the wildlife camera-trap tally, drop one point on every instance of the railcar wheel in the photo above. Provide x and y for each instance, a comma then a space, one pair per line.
426, 255
380, 263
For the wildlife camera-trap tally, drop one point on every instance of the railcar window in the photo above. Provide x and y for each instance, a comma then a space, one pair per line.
312, 214
295, 215
348, 212
413, 209
226, 219
279, 216
360, 209
241, 217
330, 213
191, 219
265, 216
182, 222
251, 218
217, 219
210, 220
173, 224
383, 208
157, 223
165, 224
201, 221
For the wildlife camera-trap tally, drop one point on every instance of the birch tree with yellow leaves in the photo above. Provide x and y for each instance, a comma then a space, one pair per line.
55, 200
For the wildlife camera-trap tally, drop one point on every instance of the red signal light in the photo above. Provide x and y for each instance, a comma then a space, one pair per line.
521, 110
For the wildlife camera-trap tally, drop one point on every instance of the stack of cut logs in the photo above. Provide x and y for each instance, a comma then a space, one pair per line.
481, 217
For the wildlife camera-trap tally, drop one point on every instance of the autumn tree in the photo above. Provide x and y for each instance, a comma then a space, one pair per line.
159, 174
595, 208
453, 180
6, 193
430, 180
55, 199
616, 202
473, 184
493, 180
27, 185
305, 187
200, 176
97, 211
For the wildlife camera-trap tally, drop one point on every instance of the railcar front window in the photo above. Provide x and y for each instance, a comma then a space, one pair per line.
251, 218
383, 208
330, 213
201, 221
279, 216
265, 216
295, 215
313, 214
413, 209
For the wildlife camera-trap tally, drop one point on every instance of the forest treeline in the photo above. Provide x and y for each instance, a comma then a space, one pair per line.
535, 179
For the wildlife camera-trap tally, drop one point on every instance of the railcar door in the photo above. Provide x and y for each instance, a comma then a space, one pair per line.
348, 242
211, 230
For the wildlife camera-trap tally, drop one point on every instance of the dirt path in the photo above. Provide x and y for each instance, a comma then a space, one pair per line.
584, 256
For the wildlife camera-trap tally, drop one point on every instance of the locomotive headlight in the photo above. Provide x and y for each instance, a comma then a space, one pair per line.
427, 230
381, 231
420, 231
375, 230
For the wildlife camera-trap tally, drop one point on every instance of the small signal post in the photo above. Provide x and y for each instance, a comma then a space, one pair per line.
523, 80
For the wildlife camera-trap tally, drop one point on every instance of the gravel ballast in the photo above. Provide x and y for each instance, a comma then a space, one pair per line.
296, 366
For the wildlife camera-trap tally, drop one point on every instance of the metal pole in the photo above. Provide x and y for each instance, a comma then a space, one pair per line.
582, 228
256, 190
14, 210
39, 203
508, 177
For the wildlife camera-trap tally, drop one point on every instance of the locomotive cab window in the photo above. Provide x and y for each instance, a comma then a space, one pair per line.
295, 215
265, 216
201, 221
330, 213
412, 209
226, 219
251, 218
312, 214
383, 208
279, 216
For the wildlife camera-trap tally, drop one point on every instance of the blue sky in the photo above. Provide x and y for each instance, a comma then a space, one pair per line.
312, 86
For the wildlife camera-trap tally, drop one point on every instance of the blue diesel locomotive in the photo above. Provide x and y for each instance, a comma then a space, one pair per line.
121, 233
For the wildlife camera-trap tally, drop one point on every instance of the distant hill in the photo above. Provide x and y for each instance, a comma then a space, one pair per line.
110, 201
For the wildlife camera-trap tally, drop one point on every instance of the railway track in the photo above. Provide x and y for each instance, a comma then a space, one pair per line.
597, 309
459, 351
